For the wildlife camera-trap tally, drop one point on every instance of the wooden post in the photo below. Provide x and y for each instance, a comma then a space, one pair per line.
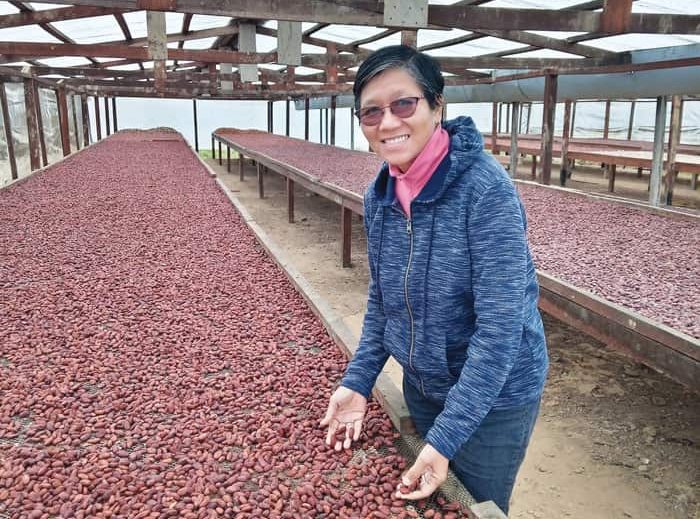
241, 173
508, 107
86, 119
606, 123
196, 126
63, 120
213, 147
573, 121
228, 158
269, 117
674, 139
515, 124
346, 236
529, 112
8, 131
261, 187
114, 114
352, 128
40, 125
286, 121
221, 160
657, 162
32, 124
494, 128
98, 122
327, 127
75, 122
409, 37
290, 200
500, 117
612, 169
548, 113
107, 116
564, 172
333, 104
320, 125
306, 118
630, 126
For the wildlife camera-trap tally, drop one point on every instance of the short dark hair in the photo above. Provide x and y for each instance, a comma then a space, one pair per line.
424, 69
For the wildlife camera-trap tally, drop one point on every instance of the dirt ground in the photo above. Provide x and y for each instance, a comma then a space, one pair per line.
614, 439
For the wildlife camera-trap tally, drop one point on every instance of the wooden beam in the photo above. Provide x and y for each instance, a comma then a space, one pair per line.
630, 126
157, 47
536, 40
606, 120
287, 117
409, 38
674, 139
75, 121
98, 122
333, 107
261, 185
657, 161
54, 15
514, 131
616, 16
127, 52
370, 12
306, 118
548, 113
63, 120
196, 126
7, 125
247, 44
346, 237
107, 116
114, 114
86, 119
290, 200
40, 125
564, 171
32, 124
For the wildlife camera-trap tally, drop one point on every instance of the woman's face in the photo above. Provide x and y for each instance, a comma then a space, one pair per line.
397, 140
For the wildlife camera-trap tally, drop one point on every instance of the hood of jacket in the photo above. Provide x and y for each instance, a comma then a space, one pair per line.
466, 144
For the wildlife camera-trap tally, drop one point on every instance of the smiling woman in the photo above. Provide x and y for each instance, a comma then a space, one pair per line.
453, 291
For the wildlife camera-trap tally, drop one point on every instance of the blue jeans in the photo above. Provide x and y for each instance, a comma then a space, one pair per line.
489, 460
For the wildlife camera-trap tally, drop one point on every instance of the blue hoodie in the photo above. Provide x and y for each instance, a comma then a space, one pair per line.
453, 292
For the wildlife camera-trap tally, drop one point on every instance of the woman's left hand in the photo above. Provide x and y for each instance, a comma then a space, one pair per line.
426, 475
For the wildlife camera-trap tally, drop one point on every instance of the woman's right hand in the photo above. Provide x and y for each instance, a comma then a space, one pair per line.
346, 412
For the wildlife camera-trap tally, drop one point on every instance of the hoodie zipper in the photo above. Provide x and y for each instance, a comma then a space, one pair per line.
409, 231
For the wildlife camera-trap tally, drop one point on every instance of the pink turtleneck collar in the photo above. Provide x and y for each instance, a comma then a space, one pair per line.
410, 183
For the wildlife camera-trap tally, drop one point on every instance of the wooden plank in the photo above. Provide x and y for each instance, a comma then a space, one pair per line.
75, 121
630, 126
63, 120
333, 107
564, 172
514, 127
32, 124
53, 15
86, 119
196, 125
8, 131
673, 142
548, 114
470, 18
114, 114
157, 46
261, 185
289, 43
40, 125
616, 16
290, 199
675, 354
346, 236
246, 43
658, 158
98, 122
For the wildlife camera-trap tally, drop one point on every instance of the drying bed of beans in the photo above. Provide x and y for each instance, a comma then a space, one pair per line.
155, 363
642, 261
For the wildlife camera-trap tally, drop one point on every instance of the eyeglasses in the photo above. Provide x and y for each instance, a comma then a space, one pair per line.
404, 107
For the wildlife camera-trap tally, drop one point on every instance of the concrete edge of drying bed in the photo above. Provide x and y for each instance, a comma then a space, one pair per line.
385, 391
